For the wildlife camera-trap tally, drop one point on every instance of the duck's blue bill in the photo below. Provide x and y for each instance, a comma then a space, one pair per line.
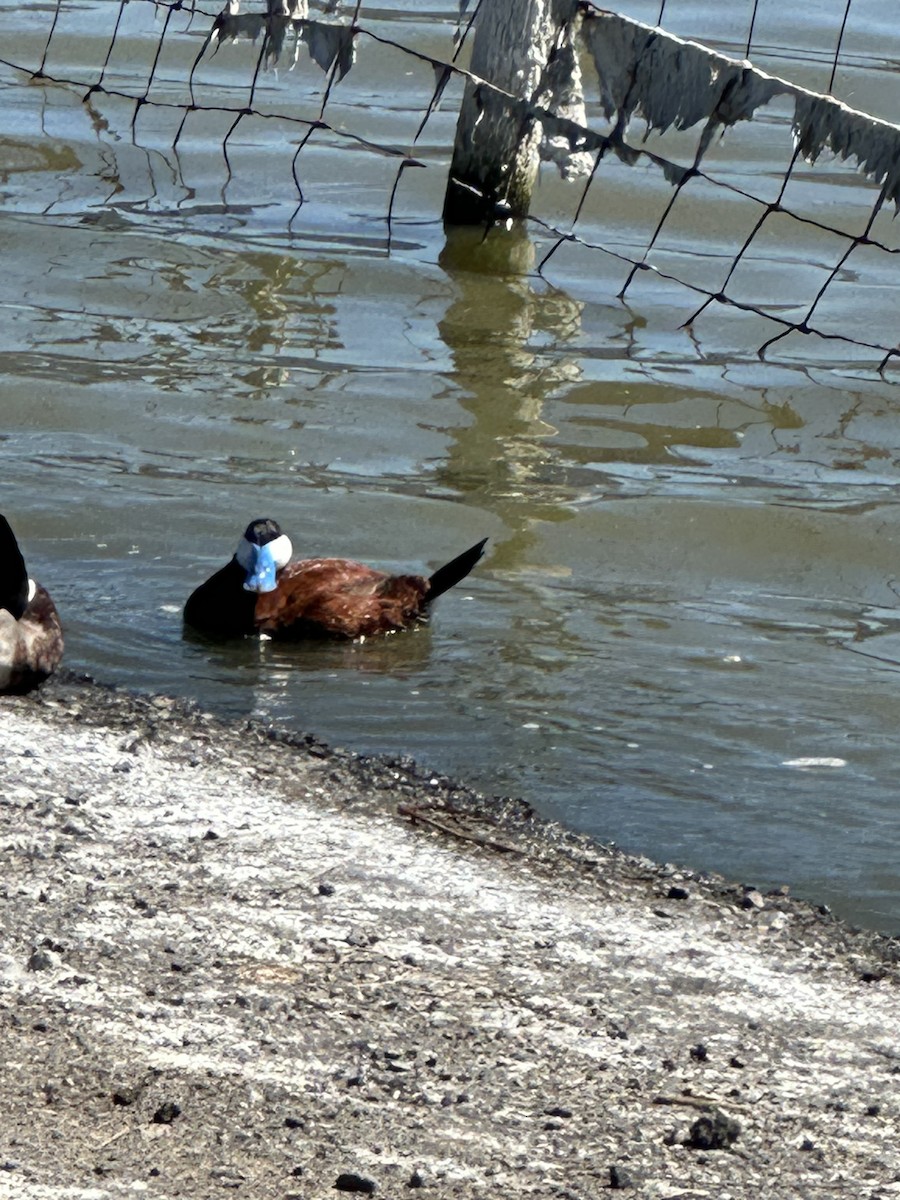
261, 572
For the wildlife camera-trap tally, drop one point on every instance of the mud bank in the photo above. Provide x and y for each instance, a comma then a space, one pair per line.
236, 962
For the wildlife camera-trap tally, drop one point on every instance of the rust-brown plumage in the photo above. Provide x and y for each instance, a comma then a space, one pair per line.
339, 598
319, 597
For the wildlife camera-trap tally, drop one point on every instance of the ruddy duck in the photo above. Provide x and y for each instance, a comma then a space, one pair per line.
31, 637
262, 591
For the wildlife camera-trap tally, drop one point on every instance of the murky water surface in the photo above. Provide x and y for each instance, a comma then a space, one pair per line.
686, 636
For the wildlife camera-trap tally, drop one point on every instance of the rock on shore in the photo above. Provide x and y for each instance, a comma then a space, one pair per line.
242, 963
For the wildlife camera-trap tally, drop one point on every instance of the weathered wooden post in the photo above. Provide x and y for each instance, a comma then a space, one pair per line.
496, 154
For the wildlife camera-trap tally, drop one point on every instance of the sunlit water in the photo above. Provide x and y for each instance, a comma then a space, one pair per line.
686, 635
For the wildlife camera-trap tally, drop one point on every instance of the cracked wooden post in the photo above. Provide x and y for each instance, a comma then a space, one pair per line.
496, 154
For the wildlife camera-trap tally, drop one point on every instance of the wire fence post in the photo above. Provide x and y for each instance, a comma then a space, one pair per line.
496, 152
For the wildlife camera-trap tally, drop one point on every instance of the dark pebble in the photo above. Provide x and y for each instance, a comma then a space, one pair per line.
72, 829
699, 1052
349, 1182
359, 939
42, 960
873, 1110
713, 1132
294, 1123
619, 1178
326, 889
558, 1111
124, 1096
166, 1113
737, 1063
677, 893
416, 1180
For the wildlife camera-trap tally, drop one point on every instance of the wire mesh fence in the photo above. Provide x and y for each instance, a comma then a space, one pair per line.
746, 207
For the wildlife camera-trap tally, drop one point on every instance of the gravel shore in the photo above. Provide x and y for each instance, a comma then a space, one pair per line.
237, 961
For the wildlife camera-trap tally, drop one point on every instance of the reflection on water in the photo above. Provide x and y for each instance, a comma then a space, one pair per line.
691, 583
508, 349
269, 665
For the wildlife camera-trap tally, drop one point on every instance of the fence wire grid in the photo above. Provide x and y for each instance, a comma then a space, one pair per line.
787, 224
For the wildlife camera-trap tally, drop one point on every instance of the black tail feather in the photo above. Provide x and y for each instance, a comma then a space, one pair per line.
451, 573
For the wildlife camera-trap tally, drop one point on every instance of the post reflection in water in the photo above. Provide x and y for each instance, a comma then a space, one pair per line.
505, 459
508, 347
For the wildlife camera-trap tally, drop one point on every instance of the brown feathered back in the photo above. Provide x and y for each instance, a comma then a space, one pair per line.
338, 597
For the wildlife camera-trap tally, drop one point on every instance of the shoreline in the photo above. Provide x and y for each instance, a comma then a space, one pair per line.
334, 965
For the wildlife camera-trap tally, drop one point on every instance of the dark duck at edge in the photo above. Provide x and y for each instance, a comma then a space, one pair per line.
31, 637
262, 591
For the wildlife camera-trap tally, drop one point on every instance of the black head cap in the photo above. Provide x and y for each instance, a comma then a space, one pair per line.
13, 575
263, 531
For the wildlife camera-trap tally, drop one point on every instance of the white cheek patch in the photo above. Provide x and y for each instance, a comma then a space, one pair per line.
32, 590
282, 550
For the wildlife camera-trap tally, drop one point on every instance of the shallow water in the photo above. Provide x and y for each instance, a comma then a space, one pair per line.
686, 635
